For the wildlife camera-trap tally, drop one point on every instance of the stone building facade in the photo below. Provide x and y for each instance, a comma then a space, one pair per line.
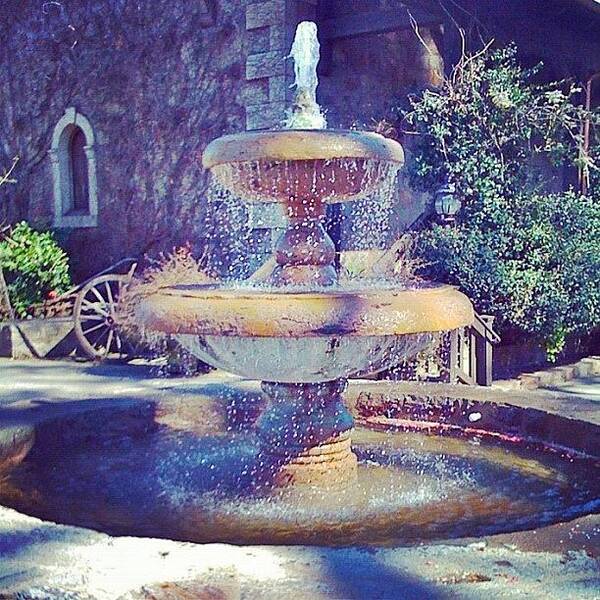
138, 89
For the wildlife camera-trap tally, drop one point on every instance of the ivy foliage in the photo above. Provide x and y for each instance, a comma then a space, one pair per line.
34, 265
522, 252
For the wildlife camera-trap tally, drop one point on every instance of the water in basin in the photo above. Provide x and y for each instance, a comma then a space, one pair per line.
205, 483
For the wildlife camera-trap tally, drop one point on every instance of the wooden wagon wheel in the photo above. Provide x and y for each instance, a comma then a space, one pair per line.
94, 316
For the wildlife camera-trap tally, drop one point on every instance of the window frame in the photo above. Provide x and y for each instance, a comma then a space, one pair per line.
60, 157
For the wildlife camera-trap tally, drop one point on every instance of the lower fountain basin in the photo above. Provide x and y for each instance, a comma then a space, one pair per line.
187, 470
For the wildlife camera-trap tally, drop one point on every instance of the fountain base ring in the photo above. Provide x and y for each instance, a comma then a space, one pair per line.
330, 463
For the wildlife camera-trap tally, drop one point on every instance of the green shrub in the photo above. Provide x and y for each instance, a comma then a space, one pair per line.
534, 267
487, 127
34, 265
527, 256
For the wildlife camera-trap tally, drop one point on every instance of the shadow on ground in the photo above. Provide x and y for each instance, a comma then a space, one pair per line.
357, 576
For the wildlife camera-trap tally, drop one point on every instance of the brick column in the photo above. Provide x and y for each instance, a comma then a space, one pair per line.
265, 65
270, 28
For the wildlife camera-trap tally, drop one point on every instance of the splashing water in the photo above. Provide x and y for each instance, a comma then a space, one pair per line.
306, 113
196, 477
228, 234
365, 224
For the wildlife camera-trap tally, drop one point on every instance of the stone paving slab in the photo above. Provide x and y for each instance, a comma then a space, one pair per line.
55, 562
553, 376
42, 383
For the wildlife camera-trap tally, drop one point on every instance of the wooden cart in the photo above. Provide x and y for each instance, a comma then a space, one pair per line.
93, 305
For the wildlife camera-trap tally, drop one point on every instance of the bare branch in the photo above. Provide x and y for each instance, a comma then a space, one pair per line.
6, 176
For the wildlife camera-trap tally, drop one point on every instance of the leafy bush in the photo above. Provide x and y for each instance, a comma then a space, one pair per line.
534, 267
521, 253
34, 265
485, 127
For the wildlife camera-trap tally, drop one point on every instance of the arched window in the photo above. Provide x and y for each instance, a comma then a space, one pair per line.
74, 172
79, 174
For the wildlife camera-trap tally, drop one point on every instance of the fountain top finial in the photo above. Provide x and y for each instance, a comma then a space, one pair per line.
306, 112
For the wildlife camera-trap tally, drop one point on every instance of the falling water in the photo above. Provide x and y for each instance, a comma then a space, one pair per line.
365, 224
228, 234
340, 179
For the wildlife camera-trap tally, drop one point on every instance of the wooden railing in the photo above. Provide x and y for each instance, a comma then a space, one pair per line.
471, 352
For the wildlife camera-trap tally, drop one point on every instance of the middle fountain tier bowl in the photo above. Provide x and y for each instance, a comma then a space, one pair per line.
302, 332
301, 336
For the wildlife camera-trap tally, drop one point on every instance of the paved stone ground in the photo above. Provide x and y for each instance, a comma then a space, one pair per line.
42, 384
586, 387
43, 560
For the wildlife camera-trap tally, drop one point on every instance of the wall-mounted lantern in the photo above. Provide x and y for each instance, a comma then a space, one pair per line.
446, 204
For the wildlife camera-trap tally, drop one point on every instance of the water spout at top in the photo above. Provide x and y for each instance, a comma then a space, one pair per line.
305, 113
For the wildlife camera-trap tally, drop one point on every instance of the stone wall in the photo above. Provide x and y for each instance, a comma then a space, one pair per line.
368, 75
363, 77
156, 80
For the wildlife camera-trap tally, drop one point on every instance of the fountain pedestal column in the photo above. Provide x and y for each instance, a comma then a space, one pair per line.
305, 254
306, 428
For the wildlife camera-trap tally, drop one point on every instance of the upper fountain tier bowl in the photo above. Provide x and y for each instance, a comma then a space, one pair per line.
320, 165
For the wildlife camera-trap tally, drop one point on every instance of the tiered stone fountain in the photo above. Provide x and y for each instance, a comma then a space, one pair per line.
304, 333
285, 466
